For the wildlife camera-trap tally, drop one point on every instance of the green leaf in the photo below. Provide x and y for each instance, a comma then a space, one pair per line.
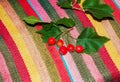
98, 10
67, 22
65, 4
90, 40
49, 30
88, 3
31, 20
78, 1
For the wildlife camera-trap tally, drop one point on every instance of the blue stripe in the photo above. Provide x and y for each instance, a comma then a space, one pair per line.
66, 66
62, 57
34, 9
118, 5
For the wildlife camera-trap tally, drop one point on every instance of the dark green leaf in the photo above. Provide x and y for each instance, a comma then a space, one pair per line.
31, 20
65, 4
48, 26
98, 10
89, 3
78, 1
67, 22
49, 31
90, 40
101, 11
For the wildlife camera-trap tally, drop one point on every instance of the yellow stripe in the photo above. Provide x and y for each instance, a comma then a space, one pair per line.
34, 74
109, 45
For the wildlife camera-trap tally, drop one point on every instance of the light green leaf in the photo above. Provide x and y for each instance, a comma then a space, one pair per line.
67, 22
31, 20
90, 40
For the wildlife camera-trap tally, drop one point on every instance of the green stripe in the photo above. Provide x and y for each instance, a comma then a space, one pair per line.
9, 61
49, 9
98, 61
77, 57
72, 15
82, 68
102, 68
1, 80
116, 27
52, 70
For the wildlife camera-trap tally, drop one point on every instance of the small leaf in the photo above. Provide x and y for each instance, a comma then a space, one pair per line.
52, 31
90, 40
65, 4
67, 22
31, 20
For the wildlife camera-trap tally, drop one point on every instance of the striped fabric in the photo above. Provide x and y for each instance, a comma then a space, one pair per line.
25, 58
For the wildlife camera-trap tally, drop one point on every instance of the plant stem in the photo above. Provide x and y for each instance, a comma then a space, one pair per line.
75, 8
58, 35
63, 33
74, 2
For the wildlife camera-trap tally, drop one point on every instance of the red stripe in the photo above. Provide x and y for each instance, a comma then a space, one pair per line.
102, 52
109, 64
53, 51
59, 64
116, 10
22, 70
28, 10
82, 17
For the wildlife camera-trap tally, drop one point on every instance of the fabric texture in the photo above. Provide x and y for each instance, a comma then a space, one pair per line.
24, 57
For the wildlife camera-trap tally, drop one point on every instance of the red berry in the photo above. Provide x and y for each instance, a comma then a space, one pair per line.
60, 43
70, 47
79, 49
63, 50
51, 41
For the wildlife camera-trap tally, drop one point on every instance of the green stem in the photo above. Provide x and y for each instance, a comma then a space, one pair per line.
58, 35
75, 8
63, 33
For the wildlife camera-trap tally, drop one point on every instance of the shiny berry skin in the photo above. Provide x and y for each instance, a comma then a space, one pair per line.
60, 43
63, 50
70, 48
51, 41
79, 49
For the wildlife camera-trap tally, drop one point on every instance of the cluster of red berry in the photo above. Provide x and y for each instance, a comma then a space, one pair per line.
63, 49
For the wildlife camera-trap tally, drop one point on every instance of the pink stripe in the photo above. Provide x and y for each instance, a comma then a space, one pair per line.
59, 10
70, 62
56, 57
91, 65
68, 58
4, 70
83, 18
72, 68
59, 64
22, 70
116, 12
40, 10
102, 52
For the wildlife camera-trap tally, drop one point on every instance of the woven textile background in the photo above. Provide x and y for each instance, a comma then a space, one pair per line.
25, 58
